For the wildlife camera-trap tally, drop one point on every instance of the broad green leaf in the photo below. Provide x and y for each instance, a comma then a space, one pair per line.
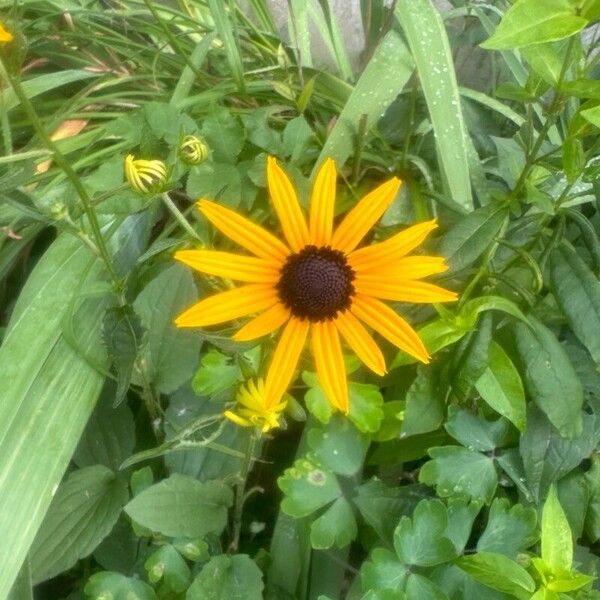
117, 587
509, 529
428, 41
382, 80
456, 471
568, 582
419, 587
577, 291
383, 571
339, 446
226, 577
420, 541
501, 387
545, 60
170, 355
217, 373
424, 410
182, 506
48, 395
307, 487
166, 565
297, 136
574, 497
532, 22
592, 115
109, 436
592, 517
474, 432
549, 376
224, 134
461, 515
557, 539
83, 512
582, 88
498, 572
573, 158
335, 527
217, 180
468, 239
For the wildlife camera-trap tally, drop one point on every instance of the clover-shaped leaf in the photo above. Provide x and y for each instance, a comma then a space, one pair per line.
335, 527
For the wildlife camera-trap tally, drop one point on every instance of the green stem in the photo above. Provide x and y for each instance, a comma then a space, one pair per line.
240, 491
172, 208
63, 163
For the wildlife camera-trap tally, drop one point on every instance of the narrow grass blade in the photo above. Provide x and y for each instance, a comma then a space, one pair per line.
263, 12
378, 86
299, 32
430, 48
225, 27
48, 394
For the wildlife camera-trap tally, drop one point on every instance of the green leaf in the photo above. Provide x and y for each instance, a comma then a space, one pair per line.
182, 506
217, 373
498, 572
530, 22
509, 530
378, 86
307, 487
456, 471
557, 540
166, 565
115, 586
424, 410
419, 541
577, 291
573, 158
419, 587
170, 354
461, 515
335, 527
475, 432
109, 436
297, 136
217, 180
592, 517
224, 134
501, 387
340, 447
83, 512
471, 235
549, 376
428, 41
226, 577
592, 115
383, 571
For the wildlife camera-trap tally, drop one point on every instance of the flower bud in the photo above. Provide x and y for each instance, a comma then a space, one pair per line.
5, 35
146, 176
193, 150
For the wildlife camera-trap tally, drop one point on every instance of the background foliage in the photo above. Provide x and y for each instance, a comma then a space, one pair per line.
477, 476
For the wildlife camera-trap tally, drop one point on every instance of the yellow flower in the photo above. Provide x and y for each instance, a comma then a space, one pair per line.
193, 150
146, 176
321, 282
254, 410
5, 35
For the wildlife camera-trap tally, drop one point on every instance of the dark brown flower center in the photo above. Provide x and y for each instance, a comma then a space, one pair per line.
316, 283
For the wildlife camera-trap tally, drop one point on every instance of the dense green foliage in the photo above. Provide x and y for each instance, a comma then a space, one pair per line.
474, 477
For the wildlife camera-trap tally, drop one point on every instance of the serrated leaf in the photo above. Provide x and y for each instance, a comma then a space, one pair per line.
335, 527
170, 354
557, 539
420, 541
182, 506
117, 587
549, 376
456, 471
500, 386
223, 133
530, 22
225, 577
83, 512
307, 487
509, 529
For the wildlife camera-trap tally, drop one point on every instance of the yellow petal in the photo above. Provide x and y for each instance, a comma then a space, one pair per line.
407, 268
364, 215
322, 202
390, 325
264, 323
286, 205
243, 231
5, 35
237, 419
285, 359
229, 305
361, 342
401, 291
391, 249
232, 266
329, 361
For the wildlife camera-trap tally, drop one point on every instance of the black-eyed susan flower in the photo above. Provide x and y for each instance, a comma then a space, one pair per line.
192, 150
254, 409
146, 176
5, 35
321, 282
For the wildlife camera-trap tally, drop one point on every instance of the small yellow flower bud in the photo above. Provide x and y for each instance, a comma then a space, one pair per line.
146, 176
193, 150
5, 35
